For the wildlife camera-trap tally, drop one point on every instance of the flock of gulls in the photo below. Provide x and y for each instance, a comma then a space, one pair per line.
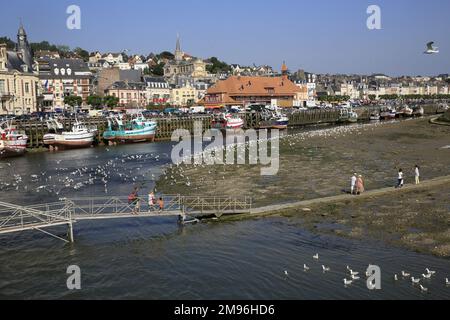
353, 276
132, 169
136, 169
198, 162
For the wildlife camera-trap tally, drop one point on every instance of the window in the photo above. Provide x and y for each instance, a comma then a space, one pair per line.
2, 87
27, 87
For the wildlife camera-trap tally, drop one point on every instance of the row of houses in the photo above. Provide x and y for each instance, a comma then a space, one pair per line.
359, 87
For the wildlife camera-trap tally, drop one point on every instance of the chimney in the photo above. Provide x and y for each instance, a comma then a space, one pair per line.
3, 56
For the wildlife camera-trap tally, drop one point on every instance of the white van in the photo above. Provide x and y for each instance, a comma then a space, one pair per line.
197, 109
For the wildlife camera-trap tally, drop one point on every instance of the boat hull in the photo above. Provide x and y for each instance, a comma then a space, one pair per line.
124, 137
69, 142
12, 148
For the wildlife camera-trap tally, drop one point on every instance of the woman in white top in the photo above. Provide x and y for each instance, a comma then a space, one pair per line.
400, 179
417, 174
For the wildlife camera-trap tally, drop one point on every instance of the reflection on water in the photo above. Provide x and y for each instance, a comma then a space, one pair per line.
156, 259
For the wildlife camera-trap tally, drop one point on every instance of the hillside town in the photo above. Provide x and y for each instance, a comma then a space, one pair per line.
51, 81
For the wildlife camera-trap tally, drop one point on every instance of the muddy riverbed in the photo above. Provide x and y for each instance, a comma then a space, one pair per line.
318, 163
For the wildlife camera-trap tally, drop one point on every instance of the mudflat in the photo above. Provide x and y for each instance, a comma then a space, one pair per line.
319, 163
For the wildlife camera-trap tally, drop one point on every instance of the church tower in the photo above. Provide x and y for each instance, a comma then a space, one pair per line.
178, 53
24, 48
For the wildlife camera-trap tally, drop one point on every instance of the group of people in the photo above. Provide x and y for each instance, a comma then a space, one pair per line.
401, 178
133, 199
357, 186
357, 182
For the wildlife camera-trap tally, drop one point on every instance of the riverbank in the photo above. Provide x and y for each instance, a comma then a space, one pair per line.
317, 164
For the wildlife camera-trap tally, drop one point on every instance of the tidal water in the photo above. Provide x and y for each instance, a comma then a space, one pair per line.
157, 259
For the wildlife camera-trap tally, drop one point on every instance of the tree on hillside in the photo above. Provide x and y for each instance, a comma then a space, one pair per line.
83, 54
158, 70
217, 66
166, 55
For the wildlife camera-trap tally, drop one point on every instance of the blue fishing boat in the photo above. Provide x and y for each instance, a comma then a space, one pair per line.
138, 129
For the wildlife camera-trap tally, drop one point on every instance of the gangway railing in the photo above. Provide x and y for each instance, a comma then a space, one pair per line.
15, 218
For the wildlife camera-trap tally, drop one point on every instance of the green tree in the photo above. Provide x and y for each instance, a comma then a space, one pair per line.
158, 70
217, 66
73, 101
95, 101
111, 101
83, 54
10, 45
166, 55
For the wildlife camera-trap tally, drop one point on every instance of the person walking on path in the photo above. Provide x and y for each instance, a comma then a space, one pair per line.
161, 204
359, 185
133, 199
353, 184
417, 174
151, 200
400, 179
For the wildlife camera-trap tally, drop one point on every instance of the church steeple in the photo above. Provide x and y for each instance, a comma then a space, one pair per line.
178, 52
23, 47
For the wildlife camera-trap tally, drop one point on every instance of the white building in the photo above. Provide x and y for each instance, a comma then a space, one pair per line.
157, 90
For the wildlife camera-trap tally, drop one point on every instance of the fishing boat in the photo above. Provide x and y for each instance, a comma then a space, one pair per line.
405, 111
442, 108
418, 111
138, 129
347, 115
12, 142
81, 136
375, 116
388, 113
227, 121
281, 122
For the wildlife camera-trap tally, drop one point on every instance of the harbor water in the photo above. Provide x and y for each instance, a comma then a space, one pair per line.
156, 258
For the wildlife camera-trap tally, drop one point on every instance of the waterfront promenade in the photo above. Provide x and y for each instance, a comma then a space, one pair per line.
303, 205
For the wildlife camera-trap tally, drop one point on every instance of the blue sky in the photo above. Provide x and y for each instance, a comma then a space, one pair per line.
319, 36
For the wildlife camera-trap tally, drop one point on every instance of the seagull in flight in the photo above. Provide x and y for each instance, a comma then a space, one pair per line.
431, 49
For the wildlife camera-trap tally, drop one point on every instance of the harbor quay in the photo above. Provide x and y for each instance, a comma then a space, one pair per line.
36, 129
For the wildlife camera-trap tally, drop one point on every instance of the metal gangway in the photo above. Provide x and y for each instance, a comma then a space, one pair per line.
15, 218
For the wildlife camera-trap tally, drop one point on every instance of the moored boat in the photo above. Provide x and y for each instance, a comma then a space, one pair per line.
388, 113
418, 111
442, 108
227, 121
374, 116
281, 122
12, 142
138, 129
347, 115
406, 111
80, 137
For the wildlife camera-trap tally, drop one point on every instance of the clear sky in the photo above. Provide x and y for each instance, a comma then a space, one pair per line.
317, 35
